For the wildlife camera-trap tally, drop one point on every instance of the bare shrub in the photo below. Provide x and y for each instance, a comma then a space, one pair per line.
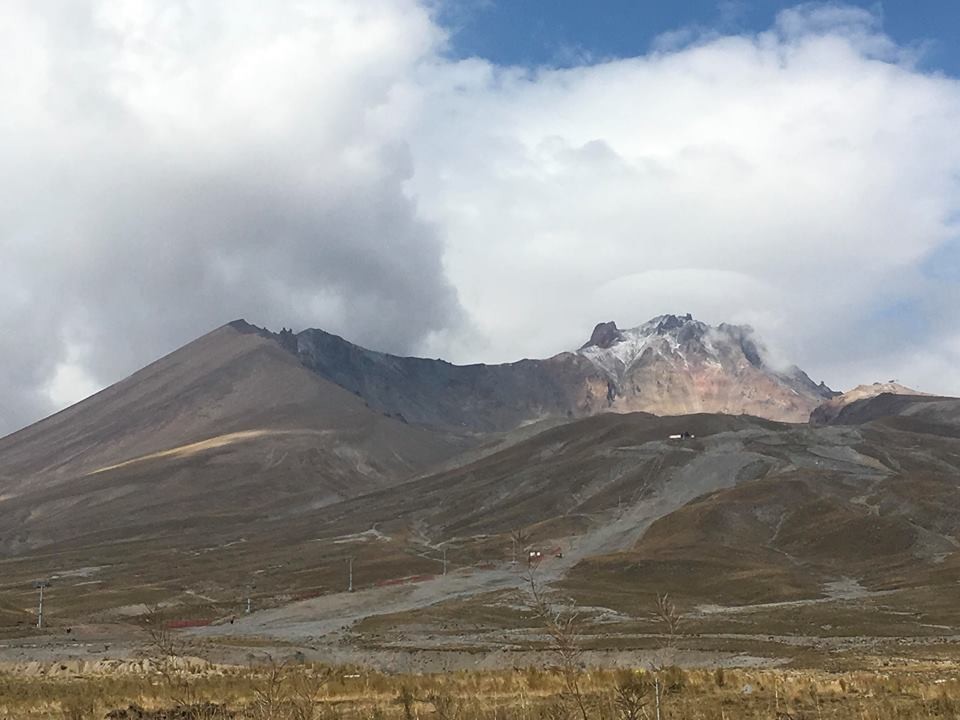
77, 708
405, 699
306, 691
270, 692
162, 641
631, 695
446, 706
166, 652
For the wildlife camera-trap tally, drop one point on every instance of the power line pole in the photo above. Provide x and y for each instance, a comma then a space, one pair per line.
40, 584
350, 574
444, 561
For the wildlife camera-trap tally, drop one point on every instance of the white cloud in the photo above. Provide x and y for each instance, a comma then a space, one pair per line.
70, 384
795, 179
167, 165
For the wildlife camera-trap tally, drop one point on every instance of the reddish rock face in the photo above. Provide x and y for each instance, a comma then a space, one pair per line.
674, 365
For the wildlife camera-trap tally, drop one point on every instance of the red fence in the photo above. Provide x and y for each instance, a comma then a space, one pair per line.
181, 624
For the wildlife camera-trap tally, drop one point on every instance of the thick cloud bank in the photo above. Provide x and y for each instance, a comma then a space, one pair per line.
168, 166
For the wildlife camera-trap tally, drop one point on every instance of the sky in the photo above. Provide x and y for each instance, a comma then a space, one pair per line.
571, 32
476, 180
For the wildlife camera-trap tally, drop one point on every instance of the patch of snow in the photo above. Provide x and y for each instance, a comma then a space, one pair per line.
82, 572
616, 360
366, 535
846, 588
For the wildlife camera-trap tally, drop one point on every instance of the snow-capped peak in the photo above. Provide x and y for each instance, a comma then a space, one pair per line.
614, 350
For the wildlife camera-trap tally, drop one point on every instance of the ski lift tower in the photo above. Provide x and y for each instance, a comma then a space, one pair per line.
40, 585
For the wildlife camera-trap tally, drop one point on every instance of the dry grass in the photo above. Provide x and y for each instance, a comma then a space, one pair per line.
298, 692
213, 443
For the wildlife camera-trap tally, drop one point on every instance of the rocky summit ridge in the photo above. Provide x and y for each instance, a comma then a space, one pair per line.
680, 336
675, 364
669, 365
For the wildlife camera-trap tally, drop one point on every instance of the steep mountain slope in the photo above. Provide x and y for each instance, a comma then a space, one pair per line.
579, 468
865, 504
667, 366
480, 398
244, 418
231, 423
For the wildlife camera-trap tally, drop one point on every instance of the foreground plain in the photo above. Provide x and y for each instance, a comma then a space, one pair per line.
281, 690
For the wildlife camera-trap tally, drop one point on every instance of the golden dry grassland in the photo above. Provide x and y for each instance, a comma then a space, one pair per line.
277, 691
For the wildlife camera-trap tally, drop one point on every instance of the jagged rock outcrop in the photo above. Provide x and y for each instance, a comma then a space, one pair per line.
675, 365
604, 336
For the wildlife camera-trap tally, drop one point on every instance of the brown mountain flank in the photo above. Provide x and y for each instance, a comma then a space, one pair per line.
229, 423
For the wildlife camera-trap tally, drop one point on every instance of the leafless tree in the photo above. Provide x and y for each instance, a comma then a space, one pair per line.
666, 612
520, 538
667, 615
166, 651
162, 641
563, 625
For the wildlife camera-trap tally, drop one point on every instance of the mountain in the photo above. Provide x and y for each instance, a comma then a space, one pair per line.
667, 366
252, 461
231, 423
673, 365
435, 393
283, 422
920, 414
832, 408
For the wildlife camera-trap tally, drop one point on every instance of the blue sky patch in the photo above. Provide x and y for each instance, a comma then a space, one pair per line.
565, 33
